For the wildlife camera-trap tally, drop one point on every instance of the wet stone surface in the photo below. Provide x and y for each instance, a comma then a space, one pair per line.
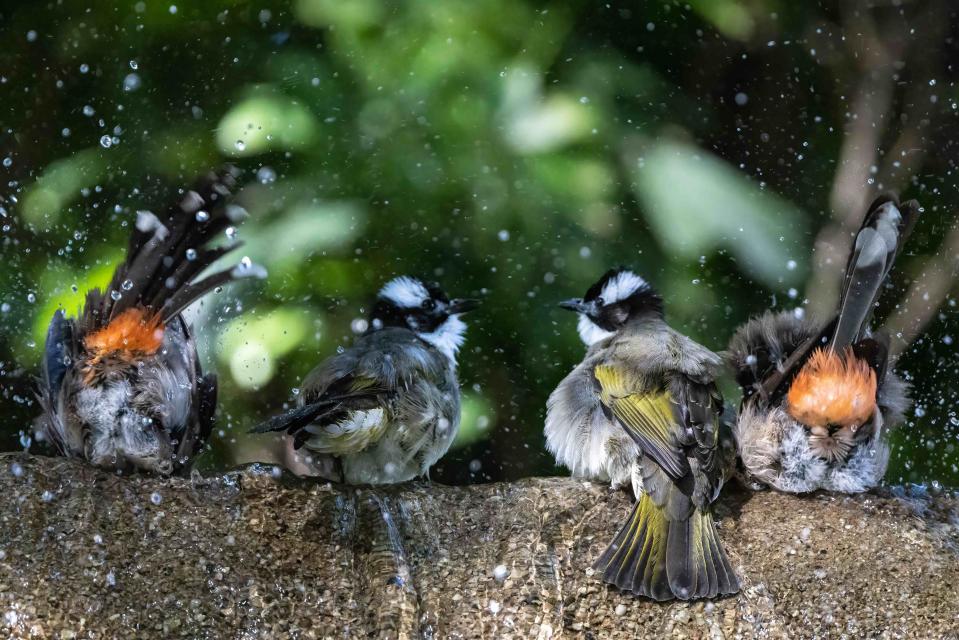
257, 554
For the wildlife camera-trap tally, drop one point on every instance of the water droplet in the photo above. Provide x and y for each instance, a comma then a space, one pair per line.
127, 285
84, 68
741, 99
156, 498
500, 572
475, 466
503, 235
8, 161
230, 232
106, 142
132, 82
31, 298
31, 36
88, 110
5, 307
191, 254
134, 65
173, 9
791, 265
265, 175
202, 216
240, 145
115, 295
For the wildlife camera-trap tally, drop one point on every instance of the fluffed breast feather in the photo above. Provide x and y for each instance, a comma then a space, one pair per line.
580, 435
775, 449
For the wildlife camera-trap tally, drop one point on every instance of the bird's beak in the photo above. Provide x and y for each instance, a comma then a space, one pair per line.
576, 304
461, 305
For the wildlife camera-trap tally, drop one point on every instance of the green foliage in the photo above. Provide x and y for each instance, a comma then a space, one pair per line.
511, 149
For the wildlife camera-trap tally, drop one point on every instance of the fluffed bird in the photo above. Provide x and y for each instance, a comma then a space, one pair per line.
121, 383
820, 398
387, 408
642, 408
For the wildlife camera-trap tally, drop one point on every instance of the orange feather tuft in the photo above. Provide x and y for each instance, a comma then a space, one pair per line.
833, 390
130, 335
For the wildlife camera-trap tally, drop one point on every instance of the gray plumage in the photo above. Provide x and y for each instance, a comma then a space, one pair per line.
809, 419
387, 408
579, 432
643, 408
121, 384
774, 447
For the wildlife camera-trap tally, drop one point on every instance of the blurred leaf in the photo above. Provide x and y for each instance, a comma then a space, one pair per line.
305, 229
252, 345
729, 16
477, 420
353, 14
61, 290
60, 184
265, 122
696, 203
535, 124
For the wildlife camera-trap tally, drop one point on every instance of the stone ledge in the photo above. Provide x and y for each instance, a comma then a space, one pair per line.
253, 554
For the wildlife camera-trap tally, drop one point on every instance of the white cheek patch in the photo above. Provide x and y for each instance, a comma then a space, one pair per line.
405, 292
589, 332
448, 337
621, 286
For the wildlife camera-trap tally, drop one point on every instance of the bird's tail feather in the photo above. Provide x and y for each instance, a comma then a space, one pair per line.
662, 559
167, 251
884, 230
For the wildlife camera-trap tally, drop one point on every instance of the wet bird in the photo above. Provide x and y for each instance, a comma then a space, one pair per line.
820, 398
387, 408
642, 409
121, 383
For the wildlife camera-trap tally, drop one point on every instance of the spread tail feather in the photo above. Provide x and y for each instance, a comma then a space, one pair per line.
662, 559
167, 252
884, 230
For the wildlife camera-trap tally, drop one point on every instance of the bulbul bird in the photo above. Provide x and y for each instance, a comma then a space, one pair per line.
387, 408
642, 407
121, 383
819, 399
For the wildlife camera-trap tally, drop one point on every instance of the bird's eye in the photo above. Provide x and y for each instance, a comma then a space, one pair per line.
428, 304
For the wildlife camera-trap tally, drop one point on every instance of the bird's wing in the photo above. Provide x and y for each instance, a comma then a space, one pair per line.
347, 415
60, 354
203, 398
647, 415
669, 547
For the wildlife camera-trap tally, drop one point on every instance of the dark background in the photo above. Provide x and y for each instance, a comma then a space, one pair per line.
513, 150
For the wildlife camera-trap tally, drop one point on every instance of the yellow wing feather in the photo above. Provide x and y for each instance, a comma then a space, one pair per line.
648, 417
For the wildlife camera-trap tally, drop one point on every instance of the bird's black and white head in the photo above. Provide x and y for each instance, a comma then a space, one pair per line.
609, 305
424, 309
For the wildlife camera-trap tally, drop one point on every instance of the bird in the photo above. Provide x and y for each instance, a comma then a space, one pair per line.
121, 384
387, 408
642, 409
820, 398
